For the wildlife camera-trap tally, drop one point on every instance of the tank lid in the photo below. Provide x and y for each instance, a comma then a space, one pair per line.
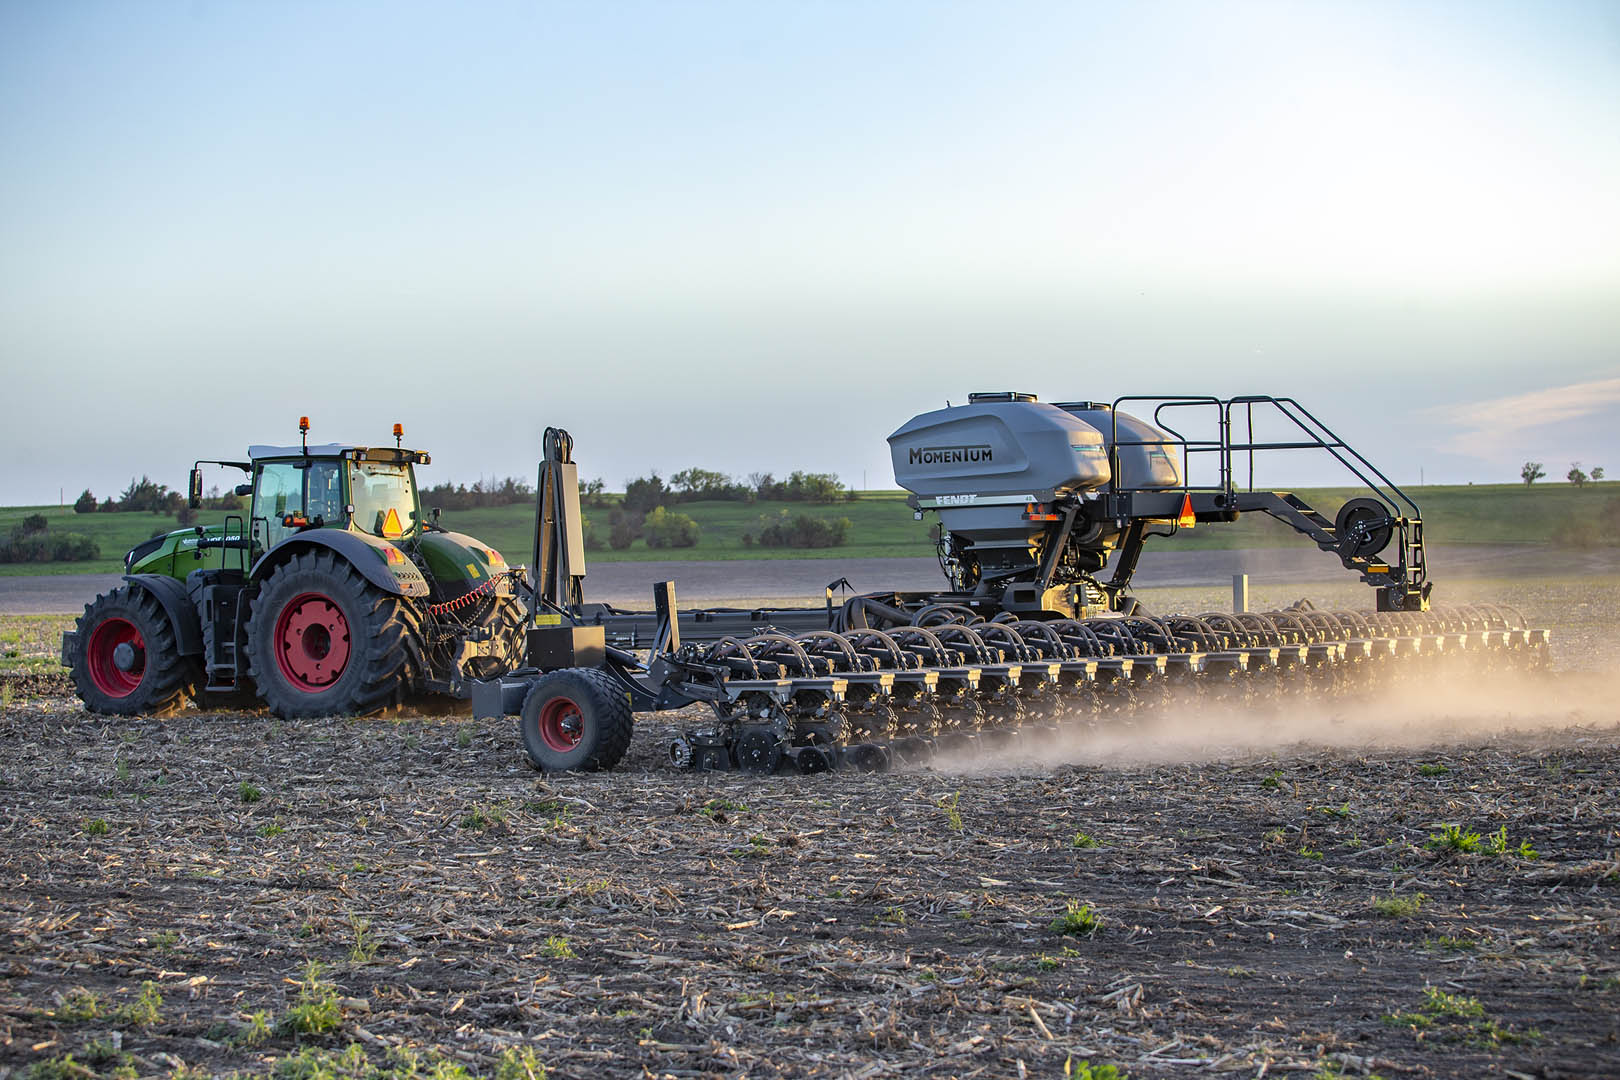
1000, 395
1084, 406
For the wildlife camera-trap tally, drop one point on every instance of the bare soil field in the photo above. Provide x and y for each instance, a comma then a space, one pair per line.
1418, 882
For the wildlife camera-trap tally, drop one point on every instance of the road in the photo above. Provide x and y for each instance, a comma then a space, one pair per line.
801, 581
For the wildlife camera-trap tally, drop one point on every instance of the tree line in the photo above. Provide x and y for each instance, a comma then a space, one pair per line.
1534, 470
147, 494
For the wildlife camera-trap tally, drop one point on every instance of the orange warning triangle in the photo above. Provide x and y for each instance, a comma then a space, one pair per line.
391, 527
1187, 519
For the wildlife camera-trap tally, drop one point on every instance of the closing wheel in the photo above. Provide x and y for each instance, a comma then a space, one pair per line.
575, 720
912, 752
127, 659
1364, 528
868, 757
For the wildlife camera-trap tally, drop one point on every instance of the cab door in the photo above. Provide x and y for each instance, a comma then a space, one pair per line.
291, 495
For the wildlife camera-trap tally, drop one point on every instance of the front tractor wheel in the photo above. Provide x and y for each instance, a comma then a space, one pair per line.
324, 641
128, 656
575, 720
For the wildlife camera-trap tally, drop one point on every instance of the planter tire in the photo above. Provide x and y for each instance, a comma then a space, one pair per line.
576, 720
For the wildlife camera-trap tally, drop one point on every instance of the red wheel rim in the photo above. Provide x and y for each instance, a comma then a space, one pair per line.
562, 725
101, 659
312, 642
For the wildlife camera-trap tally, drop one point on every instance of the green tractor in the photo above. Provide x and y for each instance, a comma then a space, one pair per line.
335, 595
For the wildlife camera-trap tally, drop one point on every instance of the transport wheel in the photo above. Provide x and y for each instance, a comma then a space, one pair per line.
128, 660
324, 641
576, 720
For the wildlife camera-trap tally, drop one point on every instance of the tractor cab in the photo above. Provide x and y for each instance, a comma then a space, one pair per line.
370, 490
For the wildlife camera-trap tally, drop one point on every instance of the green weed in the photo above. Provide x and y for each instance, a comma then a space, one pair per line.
100, 1053
144, 1010
1085, 1070
480, 818
1438, 1003
79, 1005
1079, 920
163, 940
1272, 782
717, 809
1053, 961
953, 816
121, 768
95, 827
1459, 1017
59, 1068
271, 830
1451, 944
1435, 769
519, 1063
364, 949
1399, 907
256, 1031
248, 793
1455, 838
1499, 846
557, 948
1084, 840
316, 1010
463, 737
1308, 852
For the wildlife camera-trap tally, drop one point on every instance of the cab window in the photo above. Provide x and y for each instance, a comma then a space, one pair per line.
384, 498
310, 489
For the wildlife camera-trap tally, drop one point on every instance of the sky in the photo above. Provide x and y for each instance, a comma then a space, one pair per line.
759, 237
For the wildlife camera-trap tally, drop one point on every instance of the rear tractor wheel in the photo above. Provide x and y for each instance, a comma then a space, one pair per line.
323, 641
576, 720
128, 660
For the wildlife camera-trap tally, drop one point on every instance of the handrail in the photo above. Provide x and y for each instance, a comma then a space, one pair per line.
1320, 436
1283, 406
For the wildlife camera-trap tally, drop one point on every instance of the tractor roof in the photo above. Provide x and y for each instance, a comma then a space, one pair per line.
379, 454
259, 450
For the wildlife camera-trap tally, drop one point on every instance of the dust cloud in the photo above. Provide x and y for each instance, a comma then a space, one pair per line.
1413, 712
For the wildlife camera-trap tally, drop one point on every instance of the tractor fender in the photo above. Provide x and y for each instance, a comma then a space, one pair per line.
365, 554
171, 595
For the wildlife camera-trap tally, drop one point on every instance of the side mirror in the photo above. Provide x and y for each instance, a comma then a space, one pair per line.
243, 489
435, 515
196, 488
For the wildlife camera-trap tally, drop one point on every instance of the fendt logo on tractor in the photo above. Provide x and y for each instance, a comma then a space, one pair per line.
949, 455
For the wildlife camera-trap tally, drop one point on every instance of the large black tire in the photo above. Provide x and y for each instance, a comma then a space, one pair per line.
127, 657
576, 720
324, 641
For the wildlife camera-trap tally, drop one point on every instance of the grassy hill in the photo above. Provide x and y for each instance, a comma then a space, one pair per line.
883, 526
